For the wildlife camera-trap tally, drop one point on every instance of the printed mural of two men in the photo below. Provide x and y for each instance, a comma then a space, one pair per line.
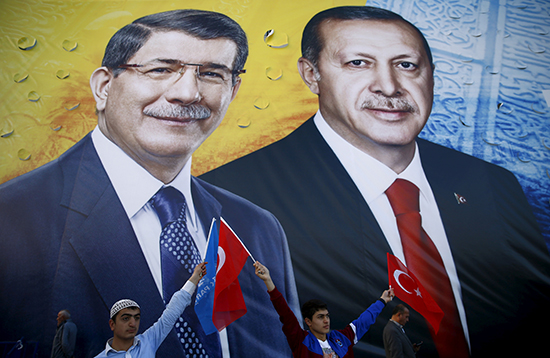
330, 183
81, 232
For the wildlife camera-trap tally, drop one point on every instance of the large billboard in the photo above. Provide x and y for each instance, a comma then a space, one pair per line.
491, 102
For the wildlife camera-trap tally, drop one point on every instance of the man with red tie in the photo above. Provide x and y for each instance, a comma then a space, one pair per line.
355, 182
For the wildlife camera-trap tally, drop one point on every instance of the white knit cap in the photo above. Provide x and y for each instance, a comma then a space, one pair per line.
122, 304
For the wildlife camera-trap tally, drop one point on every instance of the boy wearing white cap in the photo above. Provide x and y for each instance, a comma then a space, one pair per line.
125, 316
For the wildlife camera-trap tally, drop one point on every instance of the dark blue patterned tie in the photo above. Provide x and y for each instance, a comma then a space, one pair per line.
179, 256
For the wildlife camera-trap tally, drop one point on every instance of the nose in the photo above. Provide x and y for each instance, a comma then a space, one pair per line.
385, 81
186, 88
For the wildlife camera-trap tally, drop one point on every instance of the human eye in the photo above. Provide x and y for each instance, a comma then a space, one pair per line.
406, 65
357, 63
212, 74
159, 71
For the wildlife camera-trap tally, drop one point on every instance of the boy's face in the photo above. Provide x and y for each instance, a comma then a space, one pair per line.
319, 324
126, 323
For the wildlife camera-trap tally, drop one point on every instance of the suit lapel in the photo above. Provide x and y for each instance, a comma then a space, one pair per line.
352, 208
463, 222
339, 223
473, 228
404, 334
99, 233
206, 205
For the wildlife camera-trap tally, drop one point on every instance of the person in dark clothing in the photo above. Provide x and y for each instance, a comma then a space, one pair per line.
65, 336
396, 342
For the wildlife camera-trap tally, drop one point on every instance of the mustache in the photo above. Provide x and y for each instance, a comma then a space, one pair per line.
389, 103
192, 111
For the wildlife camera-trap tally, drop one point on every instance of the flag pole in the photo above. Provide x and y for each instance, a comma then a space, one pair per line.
238, 238
208, 239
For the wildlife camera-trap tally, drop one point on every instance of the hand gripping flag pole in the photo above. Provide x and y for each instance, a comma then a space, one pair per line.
204, 301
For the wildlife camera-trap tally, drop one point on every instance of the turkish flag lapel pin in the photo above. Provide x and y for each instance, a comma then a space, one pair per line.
460, 199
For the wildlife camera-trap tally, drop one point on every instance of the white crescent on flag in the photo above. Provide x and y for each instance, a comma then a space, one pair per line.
396, 275
411, 291
221, 258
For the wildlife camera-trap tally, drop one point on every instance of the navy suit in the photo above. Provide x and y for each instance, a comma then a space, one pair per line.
339, 251
66, 243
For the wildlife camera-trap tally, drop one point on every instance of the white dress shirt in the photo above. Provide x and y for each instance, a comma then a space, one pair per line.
373, 178
135, 186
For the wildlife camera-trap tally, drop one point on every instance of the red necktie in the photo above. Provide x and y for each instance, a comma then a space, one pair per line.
424, 261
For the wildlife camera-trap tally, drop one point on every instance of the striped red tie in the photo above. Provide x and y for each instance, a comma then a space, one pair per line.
424, 260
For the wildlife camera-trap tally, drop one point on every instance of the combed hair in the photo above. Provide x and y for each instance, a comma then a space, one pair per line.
400, 308
205, 25
310, 307
312, 42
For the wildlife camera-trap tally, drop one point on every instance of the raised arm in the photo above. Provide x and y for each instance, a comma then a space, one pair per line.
198, 273
263, 273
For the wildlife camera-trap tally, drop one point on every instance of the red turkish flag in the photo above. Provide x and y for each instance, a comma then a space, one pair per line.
228, 298
407, 287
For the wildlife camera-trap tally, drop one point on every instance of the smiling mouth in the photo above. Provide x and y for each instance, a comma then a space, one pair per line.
390, 112
389, 115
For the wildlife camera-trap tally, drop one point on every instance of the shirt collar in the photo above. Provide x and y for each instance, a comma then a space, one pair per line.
109, 348
397, 323
133, 184
360, 165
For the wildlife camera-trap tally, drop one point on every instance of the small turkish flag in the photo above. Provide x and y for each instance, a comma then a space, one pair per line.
460, 199
407, 287
229, 303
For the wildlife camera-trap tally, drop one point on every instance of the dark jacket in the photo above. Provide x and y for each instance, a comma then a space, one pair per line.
66, 241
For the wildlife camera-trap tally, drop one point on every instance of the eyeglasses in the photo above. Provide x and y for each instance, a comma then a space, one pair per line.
171, 71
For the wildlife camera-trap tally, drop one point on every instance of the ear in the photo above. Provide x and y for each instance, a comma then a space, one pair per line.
112, 324
308, 321
100, 82
309, 74
235, 88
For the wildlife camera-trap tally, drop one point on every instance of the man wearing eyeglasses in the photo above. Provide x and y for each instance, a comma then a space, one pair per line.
84, 229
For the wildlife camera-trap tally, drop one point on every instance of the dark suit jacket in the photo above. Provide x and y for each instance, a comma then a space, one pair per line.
66, 243
396, 342
339, 251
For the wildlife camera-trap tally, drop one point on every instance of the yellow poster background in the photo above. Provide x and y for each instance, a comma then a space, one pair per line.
48, 50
